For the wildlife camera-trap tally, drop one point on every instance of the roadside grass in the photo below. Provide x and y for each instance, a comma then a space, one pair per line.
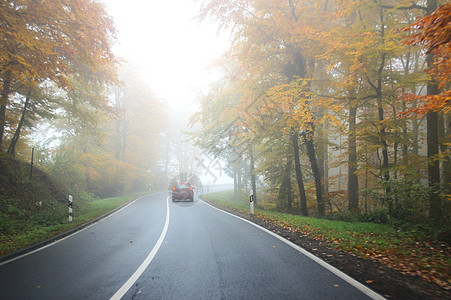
227, 198
85, 211
401, 250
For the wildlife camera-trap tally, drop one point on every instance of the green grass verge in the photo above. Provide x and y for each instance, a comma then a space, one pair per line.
226, 198
402, 250
83, 213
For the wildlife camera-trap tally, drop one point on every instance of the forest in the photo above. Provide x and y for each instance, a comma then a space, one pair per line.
324, 108
334, 108
72, 108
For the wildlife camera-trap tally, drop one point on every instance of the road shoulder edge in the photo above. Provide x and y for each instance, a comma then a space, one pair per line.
361, 287
5, 259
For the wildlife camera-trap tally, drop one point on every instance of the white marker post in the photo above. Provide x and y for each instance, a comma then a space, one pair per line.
70, 209
251, 199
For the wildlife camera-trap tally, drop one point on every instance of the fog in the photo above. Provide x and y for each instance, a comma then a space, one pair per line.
173, 54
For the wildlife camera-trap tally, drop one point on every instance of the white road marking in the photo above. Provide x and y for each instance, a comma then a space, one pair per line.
364, 289
128, 284
66, 237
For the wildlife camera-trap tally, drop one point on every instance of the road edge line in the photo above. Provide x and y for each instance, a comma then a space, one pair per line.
129, 283
8, 258
361, 287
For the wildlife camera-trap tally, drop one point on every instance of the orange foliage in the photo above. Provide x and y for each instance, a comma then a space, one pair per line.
52, 39
434, 35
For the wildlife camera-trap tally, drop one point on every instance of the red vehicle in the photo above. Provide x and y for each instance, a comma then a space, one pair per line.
182, 191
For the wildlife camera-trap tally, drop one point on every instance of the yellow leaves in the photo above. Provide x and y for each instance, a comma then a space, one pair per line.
299, 105
46, 40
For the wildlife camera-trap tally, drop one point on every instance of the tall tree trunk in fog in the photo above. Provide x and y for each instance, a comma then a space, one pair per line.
240, 177
4, 102
311, 153
435, 210
285, 190
15, 139
118, 128
415, 124
435, 203
299, 179
124, 137
385, 172
445, 173
325, 174
323, 157
235, 185
291, 71
353, 179
447, 167
253, 179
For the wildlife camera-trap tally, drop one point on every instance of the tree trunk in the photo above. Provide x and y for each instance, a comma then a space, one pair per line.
15, 139
285, 191
124, 138
235, 186
447, 172
311, 153
445, 162
325, 174
4, 102
385, 171
435, 203
353, 180
118, 127
253, 181
415, 129
323, 157
299, 179
435, 210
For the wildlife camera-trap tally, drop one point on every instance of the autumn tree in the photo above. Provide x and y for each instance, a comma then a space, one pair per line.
274, 43
134, 134
83, 153
214, 128
51, 40
324, 77
433, 34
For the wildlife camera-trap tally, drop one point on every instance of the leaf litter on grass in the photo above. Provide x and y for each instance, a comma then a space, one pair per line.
429, 259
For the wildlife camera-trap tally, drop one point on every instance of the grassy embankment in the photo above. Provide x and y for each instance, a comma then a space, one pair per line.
24, 231
406, 251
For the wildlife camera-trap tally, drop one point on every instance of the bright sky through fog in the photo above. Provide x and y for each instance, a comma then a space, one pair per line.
171, 50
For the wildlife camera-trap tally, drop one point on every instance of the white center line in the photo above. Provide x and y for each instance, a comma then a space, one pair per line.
127, 285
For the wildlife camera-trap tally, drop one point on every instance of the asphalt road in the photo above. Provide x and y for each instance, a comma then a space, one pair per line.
157, 249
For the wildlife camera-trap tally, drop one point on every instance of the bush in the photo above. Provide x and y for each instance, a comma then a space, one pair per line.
409, 200
406, 201
379, 217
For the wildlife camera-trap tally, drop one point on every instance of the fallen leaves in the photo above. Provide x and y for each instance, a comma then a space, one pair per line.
428, 259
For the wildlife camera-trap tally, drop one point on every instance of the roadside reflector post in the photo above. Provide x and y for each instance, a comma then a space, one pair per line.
70, 208
251, 203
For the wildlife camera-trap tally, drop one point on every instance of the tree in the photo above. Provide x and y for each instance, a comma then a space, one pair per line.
314, 70
52, 40
276, 44
432, 32
434, 35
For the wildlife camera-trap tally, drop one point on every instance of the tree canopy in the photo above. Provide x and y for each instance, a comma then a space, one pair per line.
321, 86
